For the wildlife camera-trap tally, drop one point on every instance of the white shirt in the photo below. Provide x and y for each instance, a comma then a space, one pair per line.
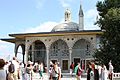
41, 68
2, 74
55, 72
110, 68
16, 64
99, 69
6, 67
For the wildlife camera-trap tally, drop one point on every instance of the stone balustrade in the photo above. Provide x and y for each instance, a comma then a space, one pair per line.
116, 76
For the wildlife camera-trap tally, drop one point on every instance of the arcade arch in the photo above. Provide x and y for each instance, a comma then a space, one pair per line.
79, 51
37, 52
20, 52
59, 51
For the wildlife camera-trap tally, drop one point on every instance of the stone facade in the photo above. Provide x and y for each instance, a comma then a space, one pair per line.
70, 47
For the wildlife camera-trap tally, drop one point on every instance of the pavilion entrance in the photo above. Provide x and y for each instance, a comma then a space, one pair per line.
76, 61
59, 52
37, 52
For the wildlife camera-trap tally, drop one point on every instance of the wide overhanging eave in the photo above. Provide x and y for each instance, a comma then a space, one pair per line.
11, 40
84, 32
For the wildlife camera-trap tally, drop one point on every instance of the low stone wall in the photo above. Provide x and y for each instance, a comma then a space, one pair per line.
116, 76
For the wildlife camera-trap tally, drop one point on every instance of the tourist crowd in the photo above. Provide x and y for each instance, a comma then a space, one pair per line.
99, 72
15, 70
94, 71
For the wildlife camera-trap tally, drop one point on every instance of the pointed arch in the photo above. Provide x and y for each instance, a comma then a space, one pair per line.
79, 51
59, 45
59, 51
37, 52
20, 52
81, 46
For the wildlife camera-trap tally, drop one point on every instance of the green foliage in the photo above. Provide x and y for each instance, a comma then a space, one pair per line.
109, 12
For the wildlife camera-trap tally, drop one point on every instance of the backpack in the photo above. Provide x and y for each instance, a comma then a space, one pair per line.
11, 68
72, 66
75, 69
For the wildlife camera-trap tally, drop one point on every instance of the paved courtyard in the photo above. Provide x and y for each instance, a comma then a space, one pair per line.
65, 77
71, 78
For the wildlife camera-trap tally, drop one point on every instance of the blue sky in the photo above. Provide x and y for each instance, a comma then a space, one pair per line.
23, 16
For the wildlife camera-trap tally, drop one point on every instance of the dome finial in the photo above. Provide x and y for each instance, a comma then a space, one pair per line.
67, 15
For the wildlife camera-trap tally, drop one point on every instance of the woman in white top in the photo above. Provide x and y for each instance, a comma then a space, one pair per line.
2, 71
55, 72
104, 73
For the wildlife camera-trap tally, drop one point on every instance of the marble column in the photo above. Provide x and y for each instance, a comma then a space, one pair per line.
26, 53
70, 52
26, 56
47, 54
15, 50
85, 65
33, 53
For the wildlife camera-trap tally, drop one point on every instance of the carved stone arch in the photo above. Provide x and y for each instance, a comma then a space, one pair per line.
81, 48
81, 51
37, 52
22, 46
57, 40
31, 42
35, 41
80, 39
23, 50
59, 49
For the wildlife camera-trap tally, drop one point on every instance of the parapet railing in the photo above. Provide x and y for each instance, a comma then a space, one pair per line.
116, 76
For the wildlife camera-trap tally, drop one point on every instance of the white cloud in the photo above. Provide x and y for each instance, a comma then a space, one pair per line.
45, 27
91, 26
5, 50
91, 14
2, 46
90, 19
65, 3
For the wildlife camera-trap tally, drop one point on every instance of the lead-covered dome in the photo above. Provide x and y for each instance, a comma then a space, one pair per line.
66, 26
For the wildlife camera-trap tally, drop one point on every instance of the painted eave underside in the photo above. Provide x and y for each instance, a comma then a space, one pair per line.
11, 40
22, 36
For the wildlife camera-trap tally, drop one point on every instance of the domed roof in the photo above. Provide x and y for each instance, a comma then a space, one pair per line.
66, 26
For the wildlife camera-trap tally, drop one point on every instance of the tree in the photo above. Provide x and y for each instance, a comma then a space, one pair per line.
109, 21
